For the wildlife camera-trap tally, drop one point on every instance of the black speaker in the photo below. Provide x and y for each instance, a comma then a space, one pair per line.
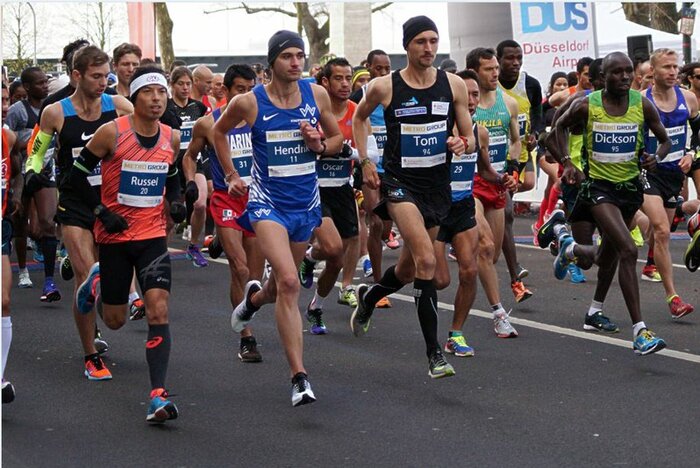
639, 47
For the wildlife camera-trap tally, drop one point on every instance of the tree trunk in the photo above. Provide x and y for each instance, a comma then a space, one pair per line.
164, 26
316, 34
660, 16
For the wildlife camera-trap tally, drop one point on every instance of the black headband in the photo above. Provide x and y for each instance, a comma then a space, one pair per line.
282, 40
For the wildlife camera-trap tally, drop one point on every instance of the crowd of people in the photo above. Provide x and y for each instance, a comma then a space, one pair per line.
280, 171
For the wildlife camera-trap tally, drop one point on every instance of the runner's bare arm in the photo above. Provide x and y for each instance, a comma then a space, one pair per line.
123, 105
378, 91
333, 138
200, 132
461, 108
483, 163
653, 121
515, 144
557, 141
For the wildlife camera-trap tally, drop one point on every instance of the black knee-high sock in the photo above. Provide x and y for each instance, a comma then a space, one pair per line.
387, 285
48, 249
158, 353
426, 304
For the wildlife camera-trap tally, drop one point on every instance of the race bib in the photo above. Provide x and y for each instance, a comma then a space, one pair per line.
522, 125
287, 154
142, 183
677, 135
463, 167
423, 145
614, 142
333, 172
95, 177
186, 134
498, 151
379, 133
242, 155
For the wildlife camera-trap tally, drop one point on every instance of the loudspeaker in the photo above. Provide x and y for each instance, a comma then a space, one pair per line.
639, 47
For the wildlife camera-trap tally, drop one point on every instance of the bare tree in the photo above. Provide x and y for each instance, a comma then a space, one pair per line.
17, 36
660, 16
164, 26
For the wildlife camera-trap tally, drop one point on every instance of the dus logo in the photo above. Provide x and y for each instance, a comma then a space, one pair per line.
536, 17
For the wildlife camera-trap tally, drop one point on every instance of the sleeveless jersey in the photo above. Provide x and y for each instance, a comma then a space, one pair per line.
241, 155
418, 122
676, 124
463, 169
576, 143
284, 169
613, 143
134, 184
336, 172
496, 119
189, 114
76, 133
376, 120
519, 93
6, 171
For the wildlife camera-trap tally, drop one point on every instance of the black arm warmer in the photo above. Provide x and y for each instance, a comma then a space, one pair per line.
694, 128
172, 185
77, 179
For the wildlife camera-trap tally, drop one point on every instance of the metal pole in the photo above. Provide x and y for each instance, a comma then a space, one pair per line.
34, 17
687, 52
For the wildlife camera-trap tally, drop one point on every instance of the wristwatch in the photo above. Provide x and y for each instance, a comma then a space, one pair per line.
98, 210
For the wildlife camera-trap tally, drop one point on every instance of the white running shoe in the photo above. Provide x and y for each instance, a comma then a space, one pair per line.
502, 326
24, 280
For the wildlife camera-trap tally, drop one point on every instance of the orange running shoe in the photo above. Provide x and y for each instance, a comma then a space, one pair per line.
520, 292
95, 369
383, 303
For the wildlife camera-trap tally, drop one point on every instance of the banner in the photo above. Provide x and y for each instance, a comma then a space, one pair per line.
554, 36
142, 27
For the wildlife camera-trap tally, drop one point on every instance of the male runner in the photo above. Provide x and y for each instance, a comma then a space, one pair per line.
614, 120
584, 83
218, 90
284, 205
137, 155
201, 86
458, 227
421, 107
642, 74
126, 58
74, 120
498, 112
242, 253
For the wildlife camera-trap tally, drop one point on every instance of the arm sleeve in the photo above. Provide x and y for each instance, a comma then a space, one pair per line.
694, 128
172, 185
35, 161
77, 178
534, 93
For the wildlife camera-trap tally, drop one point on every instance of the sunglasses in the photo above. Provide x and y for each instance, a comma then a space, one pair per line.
697, 77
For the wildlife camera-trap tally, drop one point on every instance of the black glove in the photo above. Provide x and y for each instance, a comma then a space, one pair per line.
178, 212
345, 151
112, 222
191, 192
34, 182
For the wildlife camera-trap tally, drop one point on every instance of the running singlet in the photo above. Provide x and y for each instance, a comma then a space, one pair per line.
336, 172
613, 143
676, 124
519, 93
284, 169
496, 119
376, 120
463, 168
189, 114
418, 122
6, 171
241, 155
76, 133
134, 184
576, 143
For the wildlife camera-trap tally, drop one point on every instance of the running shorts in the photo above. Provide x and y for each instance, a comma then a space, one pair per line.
462, 217
338, 203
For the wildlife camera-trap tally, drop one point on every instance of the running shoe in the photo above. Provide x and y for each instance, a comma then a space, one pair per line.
458, 346
521, 272
301, 390
95, 369
650, 273
137, 309
391, 241
520, 292
241, 316
546, 235
367, 267
599, 322
451, 254
249, 350
87, 291
62, 252
161, 409
101, 345
50, 292
315, 318
502, 326
306, 273
66, 269
196, 256
38, 255
637, 237
535, 228
576, 274
678, 215
215, 247
8, 392
561, 262
438, 367
347, 296
187, 233
24, 280
692, 253
362, 315
647, 343
383, 303
678, 308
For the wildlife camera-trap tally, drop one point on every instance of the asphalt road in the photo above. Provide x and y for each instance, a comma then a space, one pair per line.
555, 396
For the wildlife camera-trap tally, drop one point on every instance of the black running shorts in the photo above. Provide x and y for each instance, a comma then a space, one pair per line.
628, 196
434, 206
666, 184
338, 203
462, 217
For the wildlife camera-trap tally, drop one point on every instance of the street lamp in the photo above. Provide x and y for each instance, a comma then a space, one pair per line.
33, 16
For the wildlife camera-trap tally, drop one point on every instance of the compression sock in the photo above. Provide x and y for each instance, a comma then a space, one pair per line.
387, 285
48, 249
158, 353
425, 296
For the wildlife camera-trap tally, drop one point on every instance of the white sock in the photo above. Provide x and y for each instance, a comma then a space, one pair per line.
570, 251
636, 328
317, 301
497, 310
309, 256
595, 308
133, 296
6, 341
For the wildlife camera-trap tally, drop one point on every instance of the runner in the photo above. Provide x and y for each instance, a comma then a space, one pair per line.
336, 240
612, 191
137, 155
74, 120
498, 112
284, 205
458, 227
360, 77
218, 90
126, 58
242, 253
421, 107
642, 74
202, 78
584, 83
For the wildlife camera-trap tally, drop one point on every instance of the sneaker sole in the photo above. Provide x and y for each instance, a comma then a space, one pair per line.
447, 373
596, 329
319, 332
96, 379
163, 414
305, 400
683, 314
653, 350
509, 335
245, 359
651, 280
357, 328
51, 297
455, 353
523, 274
25, 286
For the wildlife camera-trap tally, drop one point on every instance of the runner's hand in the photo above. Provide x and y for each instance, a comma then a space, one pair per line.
178, 212
571, 174
531, 142
509, 182
648, 162
237, 187
370, 176
312, 137
112, 222
456, 145
686, 162
191, 192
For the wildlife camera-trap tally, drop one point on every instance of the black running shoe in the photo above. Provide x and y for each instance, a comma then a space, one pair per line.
215, 248
545, 235
8, 392
301, 390
438, 367
249, 350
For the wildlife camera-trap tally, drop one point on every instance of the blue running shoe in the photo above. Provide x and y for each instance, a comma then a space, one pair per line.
50, 292
161, 409
195, 255
367, 267
38, 256
306, 273
545, 234
85, 295
647, 343
315, 318
576, 274
561, 262
458, 346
